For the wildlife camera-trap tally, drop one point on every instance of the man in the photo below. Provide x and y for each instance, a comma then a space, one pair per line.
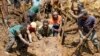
74, 6
86, 26
48, 8
31, 28
16, 3
56, 5
34, 9
77, 6
45, 30
77, 9
56, 22
15, 35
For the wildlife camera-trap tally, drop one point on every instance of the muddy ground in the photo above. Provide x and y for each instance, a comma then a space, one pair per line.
50, 46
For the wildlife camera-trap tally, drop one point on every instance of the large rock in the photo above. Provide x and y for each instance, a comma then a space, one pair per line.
47, 47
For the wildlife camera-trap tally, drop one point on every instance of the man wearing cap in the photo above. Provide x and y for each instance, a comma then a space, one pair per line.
86, 26
31, 29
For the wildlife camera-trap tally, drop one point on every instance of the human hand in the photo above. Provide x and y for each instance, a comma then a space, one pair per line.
28, 31
58, 30
55, 29
40, 37
69, 11
30, 45
84, 37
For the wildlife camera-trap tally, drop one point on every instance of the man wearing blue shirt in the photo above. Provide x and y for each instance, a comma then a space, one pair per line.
86, 24
34, 9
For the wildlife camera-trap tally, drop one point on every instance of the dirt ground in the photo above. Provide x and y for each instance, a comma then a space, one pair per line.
50, 46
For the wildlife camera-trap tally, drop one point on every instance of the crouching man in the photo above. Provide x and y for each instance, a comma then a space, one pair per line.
56, 23
45, 30
15, 35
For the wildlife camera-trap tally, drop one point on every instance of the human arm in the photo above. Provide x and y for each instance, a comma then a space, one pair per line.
22, 39
75, 16
51, 33
92, 28
38, 34
18, 32
29, 34
80, 28
80, 31
52, 2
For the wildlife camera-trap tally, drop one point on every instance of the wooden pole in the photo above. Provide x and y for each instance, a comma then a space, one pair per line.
4, 10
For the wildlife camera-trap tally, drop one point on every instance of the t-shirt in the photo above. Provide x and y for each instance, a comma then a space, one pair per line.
35, 6
13, 30
59, 21
45, 33
36, 2
31, 29
86, 24
34, 9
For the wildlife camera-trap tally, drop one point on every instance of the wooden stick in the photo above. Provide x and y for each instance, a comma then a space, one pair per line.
81, 42
4, 10
63, 30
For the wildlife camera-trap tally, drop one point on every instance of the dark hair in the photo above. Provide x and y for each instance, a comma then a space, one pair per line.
54, 12
85, 13
45, 21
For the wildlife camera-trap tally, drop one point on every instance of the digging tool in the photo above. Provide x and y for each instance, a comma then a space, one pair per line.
90, 46
80, 43
63, 32
89, 42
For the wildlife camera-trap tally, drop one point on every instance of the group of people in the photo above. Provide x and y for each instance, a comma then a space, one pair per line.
21, 33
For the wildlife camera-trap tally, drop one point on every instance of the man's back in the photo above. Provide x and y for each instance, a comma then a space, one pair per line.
15, 29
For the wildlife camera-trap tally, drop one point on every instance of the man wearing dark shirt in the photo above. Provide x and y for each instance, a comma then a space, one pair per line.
86, 25
45, 30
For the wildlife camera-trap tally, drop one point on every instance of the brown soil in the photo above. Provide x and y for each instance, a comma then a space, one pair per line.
50, 46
